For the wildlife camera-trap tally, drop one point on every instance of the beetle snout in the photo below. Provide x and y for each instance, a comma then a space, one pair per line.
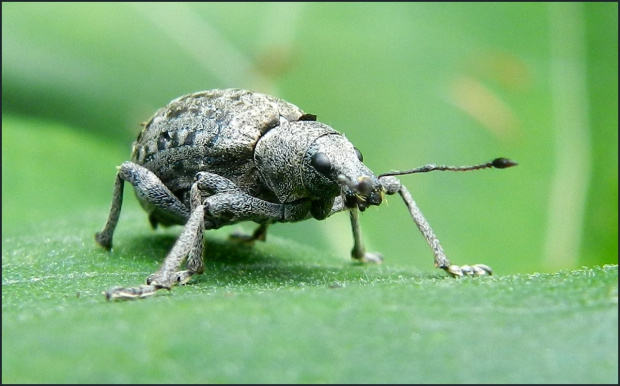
361, 193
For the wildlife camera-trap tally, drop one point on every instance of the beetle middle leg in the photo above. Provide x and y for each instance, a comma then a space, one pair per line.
260, 234
189, 244
158, 198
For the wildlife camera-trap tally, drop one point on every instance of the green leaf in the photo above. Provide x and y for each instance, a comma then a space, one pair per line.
284, 312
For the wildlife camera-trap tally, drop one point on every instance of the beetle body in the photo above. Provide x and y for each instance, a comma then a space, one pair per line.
218, 157
262, 144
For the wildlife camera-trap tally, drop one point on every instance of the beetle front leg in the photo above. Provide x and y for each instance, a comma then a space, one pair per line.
359, 251
227, 204
441, 261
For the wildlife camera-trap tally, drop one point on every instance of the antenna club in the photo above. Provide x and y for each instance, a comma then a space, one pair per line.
503, 163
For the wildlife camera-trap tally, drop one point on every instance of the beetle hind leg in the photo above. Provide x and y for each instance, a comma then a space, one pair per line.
147, 186
104, 238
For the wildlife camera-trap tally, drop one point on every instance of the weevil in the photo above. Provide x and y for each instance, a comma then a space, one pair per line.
219, 157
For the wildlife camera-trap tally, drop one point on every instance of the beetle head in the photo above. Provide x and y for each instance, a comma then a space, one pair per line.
333, 166
308, 159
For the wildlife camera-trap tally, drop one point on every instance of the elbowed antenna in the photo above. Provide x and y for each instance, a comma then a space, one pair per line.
498, 163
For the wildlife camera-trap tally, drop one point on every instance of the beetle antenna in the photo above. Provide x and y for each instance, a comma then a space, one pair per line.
498, 163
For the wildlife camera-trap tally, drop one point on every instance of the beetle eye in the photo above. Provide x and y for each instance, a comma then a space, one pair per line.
320, 161
359, 154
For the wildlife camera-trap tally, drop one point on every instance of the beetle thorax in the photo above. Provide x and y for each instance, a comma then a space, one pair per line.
279, 156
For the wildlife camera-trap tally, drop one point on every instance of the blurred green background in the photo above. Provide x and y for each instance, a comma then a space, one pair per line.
409, 84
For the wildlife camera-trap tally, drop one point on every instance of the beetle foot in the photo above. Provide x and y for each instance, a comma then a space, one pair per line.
104, 239
370, 258
120, 293
468, 270
178, 278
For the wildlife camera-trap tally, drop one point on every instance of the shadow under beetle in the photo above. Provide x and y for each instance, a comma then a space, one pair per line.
218, 157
